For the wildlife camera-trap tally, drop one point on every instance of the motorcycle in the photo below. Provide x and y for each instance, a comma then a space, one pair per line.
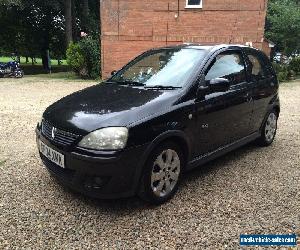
11, 69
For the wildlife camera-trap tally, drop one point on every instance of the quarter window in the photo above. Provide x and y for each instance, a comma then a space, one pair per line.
227, 65
255, 65
193, 3
256, 68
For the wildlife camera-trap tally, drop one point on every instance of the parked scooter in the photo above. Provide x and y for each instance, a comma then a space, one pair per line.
11, 69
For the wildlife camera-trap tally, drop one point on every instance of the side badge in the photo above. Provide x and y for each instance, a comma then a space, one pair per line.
204, 126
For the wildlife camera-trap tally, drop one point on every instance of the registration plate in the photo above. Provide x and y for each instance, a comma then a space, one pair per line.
52, 155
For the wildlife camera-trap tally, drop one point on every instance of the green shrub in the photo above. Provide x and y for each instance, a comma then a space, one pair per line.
84, 57
91, 52
284, 73
75, 58
277, 67
295, 65
282, 76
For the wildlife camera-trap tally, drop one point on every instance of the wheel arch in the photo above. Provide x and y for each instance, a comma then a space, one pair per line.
277, 109
175, 136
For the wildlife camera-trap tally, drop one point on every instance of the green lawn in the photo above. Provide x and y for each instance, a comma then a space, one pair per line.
37, 68
5, 59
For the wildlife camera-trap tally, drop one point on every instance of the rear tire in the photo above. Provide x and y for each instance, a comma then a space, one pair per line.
163, 170
269, 129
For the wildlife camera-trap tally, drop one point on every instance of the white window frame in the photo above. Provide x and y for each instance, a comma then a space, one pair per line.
187, 6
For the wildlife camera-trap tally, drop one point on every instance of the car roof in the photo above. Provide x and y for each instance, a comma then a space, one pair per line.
208, 47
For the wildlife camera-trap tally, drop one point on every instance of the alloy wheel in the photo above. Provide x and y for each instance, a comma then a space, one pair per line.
271, 126
165, 173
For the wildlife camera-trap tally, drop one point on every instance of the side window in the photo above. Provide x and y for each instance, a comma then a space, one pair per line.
229, 65
256, 69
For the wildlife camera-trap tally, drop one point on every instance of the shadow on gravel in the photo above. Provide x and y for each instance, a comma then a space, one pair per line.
218, 163
120, 207
115, 206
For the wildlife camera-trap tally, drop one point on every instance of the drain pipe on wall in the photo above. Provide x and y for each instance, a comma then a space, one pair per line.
178, 9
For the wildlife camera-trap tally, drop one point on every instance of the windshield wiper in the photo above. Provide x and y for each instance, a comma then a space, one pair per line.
130, 83
162, 87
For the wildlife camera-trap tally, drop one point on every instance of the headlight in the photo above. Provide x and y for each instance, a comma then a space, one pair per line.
111, 138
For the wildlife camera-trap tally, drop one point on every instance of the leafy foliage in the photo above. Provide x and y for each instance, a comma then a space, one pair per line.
75, 58
90, 49
283, 25
34, 26
295, 65
84, 58
287, 72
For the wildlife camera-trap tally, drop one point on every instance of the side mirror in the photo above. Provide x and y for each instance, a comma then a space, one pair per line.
113, 72
219, 85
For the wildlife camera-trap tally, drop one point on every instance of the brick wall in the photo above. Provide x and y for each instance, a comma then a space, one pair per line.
130, 27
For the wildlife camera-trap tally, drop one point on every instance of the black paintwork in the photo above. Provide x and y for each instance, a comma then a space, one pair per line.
206, 124
106, 105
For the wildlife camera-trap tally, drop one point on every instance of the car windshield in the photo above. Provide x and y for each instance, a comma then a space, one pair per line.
163, 68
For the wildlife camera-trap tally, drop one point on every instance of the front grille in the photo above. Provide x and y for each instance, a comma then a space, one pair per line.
62, 173
60, 137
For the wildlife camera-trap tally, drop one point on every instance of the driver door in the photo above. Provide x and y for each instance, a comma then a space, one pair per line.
224, 117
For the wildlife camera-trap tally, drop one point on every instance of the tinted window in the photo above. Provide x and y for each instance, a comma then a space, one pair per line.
256, 68
167, 67
267, 65
228, 65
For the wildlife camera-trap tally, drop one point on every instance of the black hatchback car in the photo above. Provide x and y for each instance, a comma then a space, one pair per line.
167, 111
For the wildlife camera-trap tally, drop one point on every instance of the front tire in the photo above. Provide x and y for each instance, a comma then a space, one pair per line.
269, 129
162, 174
19, 74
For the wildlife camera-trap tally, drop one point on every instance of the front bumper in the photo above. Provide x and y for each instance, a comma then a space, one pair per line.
108, 177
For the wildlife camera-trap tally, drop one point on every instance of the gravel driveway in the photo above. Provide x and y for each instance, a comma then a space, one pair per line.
252, 190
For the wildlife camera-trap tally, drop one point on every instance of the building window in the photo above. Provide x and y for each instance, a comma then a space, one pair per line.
193, 4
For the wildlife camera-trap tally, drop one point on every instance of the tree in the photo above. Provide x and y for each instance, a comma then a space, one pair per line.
283, 25
10, 2
32, 27
68, 21
85, 15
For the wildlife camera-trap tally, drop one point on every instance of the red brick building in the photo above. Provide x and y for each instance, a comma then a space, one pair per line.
130, 27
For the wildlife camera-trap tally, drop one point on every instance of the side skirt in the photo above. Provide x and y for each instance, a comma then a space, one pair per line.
221, 151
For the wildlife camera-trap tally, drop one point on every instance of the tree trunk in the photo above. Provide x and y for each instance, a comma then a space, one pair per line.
68, 21
85, 14
74, 25
86, 9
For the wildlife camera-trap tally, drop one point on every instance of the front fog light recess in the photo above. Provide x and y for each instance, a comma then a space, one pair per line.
112, 138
